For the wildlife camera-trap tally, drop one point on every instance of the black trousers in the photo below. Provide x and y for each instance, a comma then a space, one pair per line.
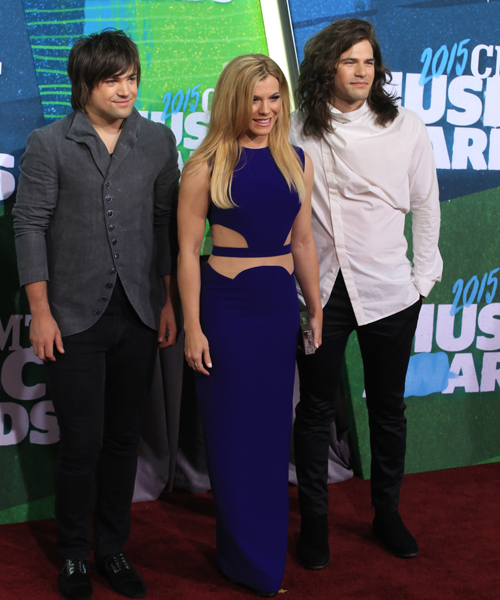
99, 387
385, 348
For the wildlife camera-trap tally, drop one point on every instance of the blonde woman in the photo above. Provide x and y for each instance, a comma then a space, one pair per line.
242, 314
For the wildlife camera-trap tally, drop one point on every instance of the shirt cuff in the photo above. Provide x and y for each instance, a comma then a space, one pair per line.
424, 286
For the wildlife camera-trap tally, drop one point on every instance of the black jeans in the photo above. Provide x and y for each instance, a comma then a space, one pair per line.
99, 387
385, 349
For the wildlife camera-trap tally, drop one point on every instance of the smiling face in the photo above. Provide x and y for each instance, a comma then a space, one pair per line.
354, 77
265, 110
114, 98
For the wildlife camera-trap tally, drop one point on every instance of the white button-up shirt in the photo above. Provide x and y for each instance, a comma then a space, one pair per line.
366, 179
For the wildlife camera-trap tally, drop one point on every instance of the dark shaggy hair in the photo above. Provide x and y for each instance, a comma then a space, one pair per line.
96, 57
316, 83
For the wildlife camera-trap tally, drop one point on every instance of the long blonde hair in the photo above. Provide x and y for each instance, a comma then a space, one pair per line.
231, 115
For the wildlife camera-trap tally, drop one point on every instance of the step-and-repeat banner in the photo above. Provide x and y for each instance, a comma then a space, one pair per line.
445, 59
183, 46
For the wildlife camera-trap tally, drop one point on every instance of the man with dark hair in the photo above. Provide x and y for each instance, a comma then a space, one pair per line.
373, 164
95, 232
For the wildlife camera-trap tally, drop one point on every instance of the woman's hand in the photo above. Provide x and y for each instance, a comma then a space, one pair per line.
317, 328
197, 352
194, 199
305, 258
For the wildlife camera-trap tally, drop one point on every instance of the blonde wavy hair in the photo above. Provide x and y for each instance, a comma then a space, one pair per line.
231, 116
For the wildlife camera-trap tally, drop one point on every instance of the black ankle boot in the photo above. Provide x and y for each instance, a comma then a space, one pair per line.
313, 550
389, 528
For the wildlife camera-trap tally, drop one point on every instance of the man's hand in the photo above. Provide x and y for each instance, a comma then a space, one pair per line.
169, 316
168, 331
44, 333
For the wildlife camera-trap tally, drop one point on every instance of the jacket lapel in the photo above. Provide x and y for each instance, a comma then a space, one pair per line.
82, 132
126, 141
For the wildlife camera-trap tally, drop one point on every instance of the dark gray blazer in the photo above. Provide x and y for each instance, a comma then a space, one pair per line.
82, 217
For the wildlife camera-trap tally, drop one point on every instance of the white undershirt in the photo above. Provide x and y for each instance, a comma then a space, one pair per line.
366, 179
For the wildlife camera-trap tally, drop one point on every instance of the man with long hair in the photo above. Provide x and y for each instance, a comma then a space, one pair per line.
373, 164
95, 232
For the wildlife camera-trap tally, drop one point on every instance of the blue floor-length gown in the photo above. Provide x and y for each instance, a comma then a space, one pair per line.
252, 323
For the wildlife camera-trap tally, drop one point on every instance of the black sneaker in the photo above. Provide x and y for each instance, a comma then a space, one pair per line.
74, 581
391, 531
121, 575
313, 550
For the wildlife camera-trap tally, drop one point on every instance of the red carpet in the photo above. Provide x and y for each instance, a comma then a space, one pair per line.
453, 514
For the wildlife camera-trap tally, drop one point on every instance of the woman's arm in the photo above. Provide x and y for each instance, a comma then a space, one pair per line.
194, 198
305, 257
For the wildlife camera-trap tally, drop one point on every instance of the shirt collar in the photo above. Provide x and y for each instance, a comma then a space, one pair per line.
348, 117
